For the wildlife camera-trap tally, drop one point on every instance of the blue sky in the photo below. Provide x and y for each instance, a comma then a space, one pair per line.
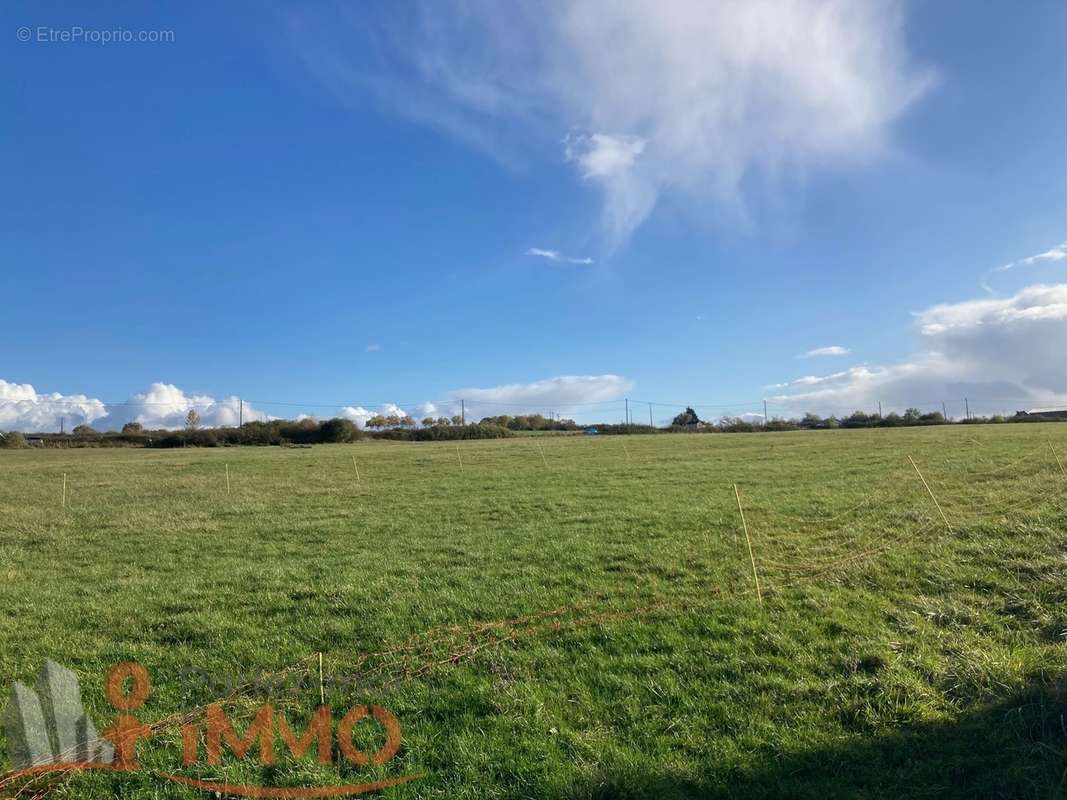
336, 204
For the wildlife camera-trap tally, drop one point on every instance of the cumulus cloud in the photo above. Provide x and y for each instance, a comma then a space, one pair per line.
556, 256
830, 350
1058, 253
649, 96
357, 414
424, 410
1001, 354
360, 415
23, 409
164, 405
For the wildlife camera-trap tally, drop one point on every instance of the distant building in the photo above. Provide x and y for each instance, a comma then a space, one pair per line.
1045, 413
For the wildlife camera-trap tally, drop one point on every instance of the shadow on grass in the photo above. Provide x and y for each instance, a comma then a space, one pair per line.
1016, 748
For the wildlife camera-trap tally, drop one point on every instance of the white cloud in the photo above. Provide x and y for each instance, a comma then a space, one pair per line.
360, 415
424, 410
392, 409
659, 96
23, 409
831, 350
164, 405
374, 348
357, 414
1058, 253
603, 156
556, 256
1000, 354
564, 393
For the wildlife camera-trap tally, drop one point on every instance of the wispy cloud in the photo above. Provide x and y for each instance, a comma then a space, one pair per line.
562, 393
703, 99
1058, 253
556, 256
830, 350
374, 348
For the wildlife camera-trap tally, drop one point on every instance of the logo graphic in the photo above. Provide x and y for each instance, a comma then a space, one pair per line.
49, 725
48, 731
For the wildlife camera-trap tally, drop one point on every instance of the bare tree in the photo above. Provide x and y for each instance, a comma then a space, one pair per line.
192, 420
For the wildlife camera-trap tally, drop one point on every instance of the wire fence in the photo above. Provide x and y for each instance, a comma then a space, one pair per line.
912, 505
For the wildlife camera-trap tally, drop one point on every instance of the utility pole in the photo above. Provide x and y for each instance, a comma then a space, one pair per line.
462, 411
241, 415
967, 405
944, 411
61, 421
879, 409
627, 410
651, 424
764, 413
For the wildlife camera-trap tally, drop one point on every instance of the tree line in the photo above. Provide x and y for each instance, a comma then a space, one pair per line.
339, 430
305, 431
689, 421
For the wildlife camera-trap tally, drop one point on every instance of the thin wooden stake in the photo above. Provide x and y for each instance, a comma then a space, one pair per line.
459, 457
322, 691
751, 555
627, 451
931, 492
227, 479
1053, 449
542, 453
356, 468
64, 490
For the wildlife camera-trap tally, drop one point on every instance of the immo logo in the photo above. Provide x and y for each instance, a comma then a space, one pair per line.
49, 731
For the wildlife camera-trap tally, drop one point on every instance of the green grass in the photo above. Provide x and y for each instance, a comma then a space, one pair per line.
579, 625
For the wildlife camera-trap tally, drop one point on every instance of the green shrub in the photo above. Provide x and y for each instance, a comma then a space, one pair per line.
338, 430
13, 440
622, 430
686, 418
437, 433
736, 425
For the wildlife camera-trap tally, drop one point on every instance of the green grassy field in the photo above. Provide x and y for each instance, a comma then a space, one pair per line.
573, 617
